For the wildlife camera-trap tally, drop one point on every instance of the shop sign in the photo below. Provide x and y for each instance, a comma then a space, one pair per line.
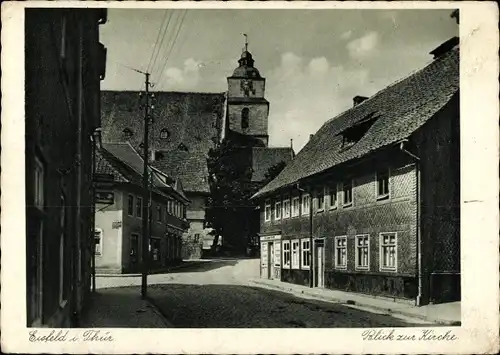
268, 238
105, 197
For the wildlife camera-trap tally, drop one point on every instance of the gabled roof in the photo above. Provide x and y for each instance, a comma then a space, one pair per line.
265, 158
403, 107
189, 167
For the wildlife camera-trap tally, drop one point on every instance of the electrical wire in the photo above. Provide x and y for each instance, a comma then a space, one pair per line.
157, 48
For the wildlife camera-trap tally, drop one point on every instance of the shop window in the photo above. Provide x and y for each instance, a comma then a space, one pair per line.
286, 253
347, 190
306, 254
98, 241
134, 248
295, 206
267, 211
341, 252
388, 251
295, 254
383, 191
362, 252
306, 200
155, 246
277, 211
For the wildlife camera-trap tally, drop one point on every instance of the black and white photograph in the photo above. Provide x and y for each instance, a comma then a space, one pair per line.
246, 167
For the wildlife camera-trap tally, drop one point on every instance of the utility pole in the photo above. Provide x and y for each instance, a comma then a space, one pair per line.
146, 205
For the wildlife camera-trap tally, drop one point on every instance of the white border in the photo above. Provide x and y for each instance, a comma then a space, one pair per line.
479, 206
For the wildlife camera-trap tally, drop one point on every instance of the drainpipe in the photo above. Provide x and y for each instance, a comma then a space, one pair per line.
419, 236
311, 249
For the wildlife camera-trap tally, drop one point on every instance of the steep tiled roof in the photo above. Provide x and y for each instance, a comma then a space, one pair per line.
264, 158
193, 119
190, 167
103, 166
402, 107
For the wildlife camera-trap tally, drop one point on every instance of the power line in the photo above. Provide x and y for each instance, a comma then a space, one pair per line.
157, 49
172, 46
169, 41
128, 67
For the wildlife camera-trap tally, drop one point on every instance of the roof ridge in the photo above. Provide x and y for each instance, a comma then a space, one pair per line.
167, 92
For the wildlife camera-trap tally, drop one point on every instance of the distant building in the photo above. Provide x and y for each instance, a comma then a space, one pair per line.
120, 211
187, 125
64, 65
371, 204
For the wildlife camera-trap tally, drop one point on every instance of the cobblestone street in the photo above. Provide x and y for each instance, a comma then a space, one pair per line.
215, 294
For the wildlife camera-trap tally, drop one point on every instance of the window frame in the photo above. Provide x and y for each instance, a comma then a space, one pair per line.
387, 195
357, 248
381, 254
351, 202
133, 205
295, 261
286, 211
267, 211
307, 252
277, 208
305, 197
287, 251
337, 265
333, 188
295, 213
137, 208
320, 193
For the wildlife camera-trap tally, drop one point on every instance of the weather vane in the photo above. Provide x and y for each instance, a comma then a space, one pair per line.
246, 42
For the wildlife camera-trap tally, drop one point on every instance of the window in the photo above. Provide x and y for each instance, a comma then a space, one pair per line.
267, 211
277, 211
286, 208
306, 253
295, 206
62, 237
245, 118
341, 252
127, 133
39, 184
130, 209
320, 197
138, 207
98, 241
354, 133
286, 253
295, 254
362, 252
305, 204
159, 211
383, 185
169, 206
134, 247
347, 189
164, 134
388, 251
332, 196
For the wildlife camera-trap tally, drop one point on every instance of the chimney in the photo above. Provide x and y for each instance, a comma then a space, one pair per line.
445, 47
358, 99
291, 147
455, 14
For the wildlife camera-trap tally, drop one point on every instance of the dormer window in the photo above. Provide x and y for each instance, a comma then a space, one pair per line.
182, 147
354, 133
159, 156
127, 133
164, 134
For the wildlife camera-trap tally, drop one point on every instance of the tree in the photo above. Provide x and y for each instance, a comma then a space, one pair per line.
229, 209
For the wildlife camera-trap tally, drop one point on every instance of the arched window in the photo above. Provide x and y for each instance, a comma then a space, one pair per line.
127, 133
164, 134
244, 118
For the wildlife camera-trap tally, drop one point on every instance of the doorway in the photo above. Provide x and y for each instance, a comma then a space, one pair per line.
320, 262
270, 264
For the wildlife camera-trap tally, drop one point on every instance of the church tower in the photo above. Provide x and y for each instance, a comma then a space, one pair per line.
247, 109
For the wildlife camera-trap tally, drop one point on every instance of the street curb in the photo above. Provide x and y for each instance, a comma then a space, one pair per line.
387, 311
162, 271
159, 312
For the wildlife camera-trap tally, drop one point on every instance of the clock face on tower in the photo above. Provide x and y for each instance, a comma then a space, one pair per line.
247, 87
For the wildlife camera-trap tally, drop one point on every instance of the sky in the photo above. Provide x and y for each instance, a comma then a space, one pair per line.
314, 61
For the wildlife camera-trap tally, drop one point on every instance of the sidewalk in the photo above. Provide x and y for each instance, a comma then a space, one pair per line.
183, 264
444, 314
121, 308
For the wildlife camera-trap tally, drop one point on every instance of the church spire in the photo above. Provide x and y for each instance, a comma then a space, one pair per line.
246, 42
